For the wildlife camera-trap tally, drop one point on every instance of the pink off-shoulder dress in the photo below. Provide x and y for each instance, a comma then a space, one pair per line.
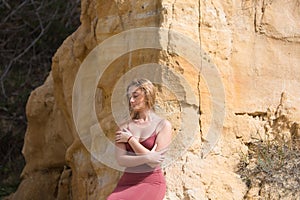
141, 182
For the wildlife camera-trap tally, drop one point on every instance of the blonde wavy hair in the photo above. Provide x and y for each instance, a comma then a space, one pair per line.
150, 94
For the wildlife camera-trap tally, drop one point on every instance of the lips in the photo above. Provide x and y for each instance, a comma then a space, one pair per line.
133, 105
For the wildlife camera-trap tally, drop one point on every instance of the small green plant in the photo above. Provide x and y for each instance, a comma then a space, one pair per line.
270, 156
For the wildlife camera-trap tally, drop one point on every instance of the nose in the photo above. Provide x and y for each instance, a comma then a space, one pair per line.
131, 99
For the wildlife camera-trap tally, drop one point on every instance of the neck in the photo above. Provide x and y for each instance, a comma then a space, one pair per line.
144, 115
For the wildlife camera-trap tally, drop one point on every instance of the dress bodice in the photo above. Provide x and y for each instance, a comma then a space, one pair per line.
147, 143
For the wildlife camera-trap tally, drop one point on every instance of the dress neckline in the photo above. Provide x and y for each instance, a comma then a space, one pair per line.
153, 134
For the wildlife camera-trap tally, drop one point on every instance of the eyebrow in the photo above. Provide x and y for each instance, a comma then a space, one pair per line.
133, 93
136, 93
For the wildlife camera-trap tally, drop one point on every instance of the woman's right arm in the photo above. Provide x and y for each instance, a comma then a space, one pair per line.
126, 160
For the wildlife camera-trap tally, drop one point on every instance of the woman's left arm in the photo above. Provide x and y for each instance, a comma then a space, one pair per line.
164, 135
163, 139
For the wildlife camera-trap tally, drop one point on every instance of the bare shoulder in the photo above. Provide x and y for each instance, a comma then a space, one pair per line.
166, 123
164, 126
164, 135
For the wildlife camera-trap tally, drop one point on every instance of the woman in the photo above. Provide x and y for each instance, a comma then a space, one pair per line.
140, 147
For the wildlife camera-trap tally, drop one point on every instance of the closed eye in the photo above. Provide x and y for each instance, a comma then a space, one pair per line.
135, 95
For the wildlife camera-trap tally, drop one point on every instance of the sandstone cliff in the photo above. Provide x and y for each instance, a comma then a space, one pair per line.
254, 47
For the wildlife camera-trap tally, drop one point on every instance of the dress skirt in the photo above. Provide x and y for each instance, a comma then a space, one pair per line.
140, 186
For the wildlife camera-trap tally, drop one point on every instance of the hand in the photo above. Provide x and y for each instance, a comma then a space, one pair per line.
156, 157
123, 135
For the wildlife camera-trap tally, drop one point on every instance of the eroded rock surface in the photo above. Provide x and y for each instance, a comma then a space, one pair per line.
254, 45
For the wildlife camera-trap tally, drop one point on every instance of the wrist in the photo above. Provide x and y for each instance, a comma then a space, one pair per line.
129, 138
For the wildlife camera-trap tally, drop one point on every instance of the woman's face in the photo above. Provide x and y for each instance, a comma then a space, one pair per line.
137, 98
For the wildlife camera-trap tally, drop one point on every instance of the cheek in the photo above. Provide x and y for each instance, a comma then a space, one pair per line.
142, 101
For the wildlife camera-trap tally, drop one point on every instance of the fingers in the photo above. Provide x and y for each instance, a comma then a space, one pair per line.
122, 135
126, 130
123, 131
157, 161
118, 138
163, 151
118, 133
157, 156
162, 158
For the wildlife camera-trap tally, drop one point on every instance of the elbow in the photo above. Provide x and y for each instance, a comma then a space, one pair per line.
122, 164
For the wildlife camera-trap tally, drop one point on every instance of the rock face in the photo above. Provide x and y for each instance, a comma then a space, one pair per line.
254, 45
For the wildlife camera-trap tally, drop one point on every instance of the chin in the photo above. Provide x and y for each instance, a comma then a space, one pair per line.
137, 109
